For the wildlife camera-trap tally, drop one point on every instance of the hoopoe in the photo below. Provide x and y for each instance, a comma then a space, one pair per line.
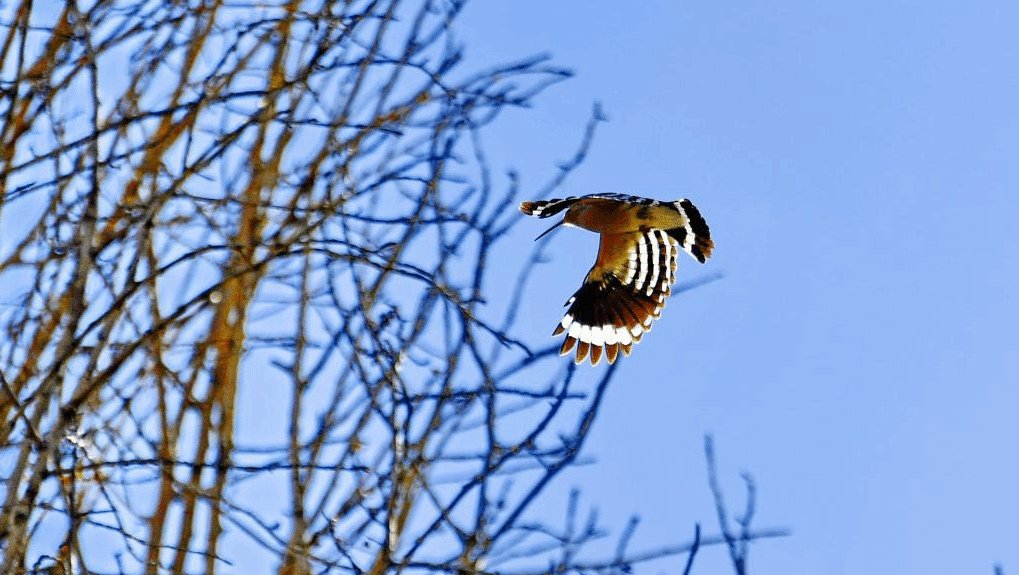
627, 286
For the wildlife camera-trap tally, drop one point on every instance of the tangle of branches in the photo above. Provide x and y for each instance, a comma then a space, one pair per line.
245, 254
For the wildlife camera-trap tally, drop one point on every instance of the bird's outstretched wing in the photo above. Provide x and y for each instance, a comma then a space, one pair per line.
621, 296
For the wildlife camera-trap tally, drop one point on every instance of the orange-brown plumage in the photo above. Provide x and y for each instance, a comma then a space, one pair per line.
633, 273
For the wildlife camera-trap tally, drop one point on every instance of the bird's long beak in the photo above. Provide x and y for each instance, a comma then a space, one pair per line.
544, 233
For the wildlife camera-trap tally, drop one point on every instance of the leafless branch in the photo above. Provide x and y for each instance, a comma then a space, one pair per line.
250, 312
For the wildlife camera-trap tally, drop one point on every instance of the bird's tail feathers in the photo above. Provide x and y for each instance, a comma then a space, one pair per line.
694, 236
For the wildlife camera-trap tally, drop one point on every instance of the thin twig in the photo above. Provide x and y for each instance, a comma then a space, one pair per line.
693, 548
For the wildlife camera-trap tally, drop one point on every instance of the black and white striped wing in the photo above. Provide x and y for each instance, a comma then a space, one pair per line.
651, 264
614, 311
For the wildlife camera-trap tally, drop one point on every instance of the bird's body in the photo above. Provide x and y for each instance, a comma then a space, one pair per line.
634, 271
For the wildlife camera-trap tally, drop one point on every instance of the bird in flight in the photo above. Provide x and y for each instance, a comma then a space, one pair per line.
636, 266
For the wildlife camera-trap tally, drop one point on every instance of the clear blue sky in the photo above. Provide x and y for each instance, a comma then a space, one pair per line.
859, 166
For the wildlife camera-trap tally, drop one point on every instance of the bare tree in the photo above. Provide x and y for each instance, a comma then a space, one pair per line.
245, 254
